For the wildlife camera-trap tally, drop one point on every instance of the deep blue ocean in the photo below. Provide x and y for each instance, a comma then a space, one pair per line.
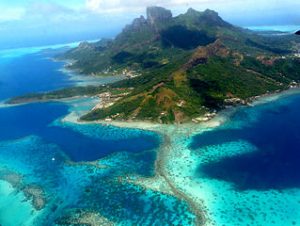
35, 73
274, 130
21, 74
81, 169
56, 157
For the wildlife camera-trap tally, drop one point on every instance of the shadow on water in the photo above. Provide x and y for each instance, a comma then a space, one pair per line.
276, 163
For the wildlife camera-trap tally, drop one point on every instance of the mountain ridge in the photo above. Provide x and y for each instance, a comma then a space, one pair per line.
183, 68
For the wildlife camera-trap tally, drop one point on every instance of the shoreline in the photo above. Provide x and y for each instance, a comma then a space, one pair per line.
82, 79
251, 102
161, 176
267, 98
220, 118
186, 130
170, 133
167, 154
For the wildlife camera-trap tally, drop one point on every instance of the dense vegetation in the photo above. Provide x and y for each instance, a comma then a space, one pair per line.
181, 37
182, 67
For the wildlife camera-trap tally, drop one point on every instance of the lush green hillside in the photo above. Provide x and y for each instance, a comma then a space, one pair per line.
182, 67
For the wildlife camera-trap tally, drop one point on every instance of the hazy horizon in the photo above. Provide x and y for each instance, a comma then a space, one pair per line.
32, 23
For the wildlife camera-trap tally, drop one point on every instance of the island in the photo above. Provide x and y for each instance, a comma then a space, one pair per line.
179, 69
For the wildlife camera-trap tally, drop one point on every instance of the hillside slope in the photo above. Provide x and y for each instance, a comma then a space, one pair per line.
182, 68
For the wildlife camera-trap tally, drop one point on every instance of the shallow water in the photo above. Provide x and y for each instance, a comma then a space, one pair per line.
37, 145
284, 28
248, 168
244, 172
20, 212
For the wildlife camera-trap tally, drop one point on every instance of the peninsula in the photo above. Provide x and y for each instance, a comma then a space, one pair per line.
180, 69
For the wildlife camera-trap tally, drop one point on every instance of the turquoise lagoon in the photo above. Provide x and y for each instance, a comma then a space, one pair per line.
278, 28
54, 172
242, 168
242, 171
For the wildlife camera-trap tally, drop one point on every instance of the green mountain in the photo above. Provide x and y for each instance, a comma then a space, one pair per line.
150, 42
181, 68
